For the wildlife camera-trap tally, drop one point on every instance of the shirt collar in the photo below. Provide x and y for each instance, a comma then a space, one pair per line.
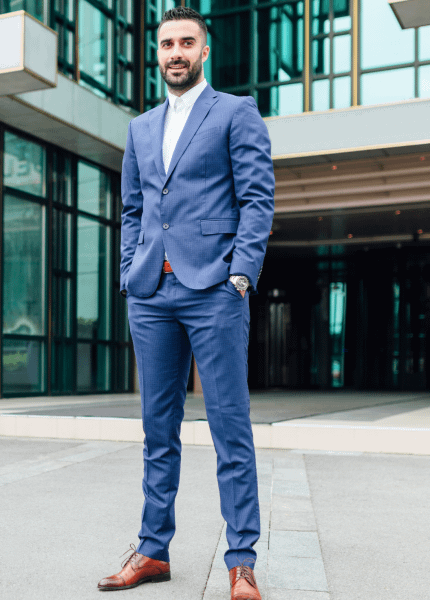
189, 97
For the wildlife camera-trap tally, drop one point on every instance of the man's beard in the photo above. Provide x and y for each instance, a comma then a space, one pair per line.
187, 79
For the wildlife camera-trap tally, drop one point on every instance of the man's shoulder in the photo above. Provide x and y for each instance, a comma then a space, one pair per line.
148, 114
234, 101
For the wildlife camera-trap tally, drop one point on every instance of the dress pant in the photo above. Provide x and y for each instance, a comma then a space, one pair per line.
166, 328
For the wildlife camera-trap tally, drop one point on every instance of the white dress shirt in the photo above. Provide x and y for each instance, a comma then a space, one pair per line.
178, 111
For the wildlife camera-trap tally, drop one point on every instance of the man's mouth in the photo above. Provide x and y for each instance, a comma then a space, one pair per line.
177, 67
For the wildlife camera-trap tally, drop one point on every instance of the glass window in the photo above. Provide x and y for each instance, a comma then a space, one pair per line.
290, 98
95, 44
388, 86
424, 43
280, 42
321, 56
93, 367
62, 371
24, 165
23, 366
342, 92
94, 193
342, 54
383, 42
93, 280
62, 179
62, 240
34, 7
321, 94
24, 274
231, 50
424, 81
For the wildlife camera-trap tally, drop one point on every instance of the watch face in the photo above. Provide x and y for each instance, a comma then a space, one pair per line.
242, 283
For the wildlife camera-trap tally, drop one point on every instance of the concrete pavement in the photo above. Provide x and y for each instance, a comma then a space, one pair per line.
335, 526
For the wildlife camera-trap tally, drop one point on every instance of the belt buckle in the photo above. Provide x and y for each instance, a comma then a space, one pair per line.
166, 267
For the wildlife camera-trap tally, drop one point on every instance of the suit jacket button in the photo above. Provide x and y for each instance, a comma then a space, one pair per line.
165, 191
166, 225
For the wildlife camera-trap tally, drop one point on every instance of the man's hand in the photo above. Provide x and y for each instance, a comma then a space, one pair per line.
242, 293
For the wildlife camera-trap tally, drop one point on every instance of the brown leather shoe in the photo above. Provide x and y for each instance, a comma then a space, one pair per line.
136, 570
243, 584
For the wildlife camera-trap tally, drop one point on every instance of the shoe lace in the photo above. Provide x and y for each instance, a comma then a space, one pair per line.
245, 572
125, 562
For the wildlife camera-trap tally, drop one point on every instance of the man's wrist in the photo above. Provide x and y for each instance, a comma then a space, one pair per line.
240, 282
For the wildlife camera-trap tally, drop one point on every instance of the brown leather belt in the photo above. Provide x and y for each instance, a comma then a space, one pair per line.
166, 267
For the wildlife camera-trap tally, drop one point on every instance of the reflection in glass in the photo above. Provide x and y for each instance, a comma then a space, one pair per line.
383, 42
388, 86
24, 165
342, 54
337, 332
424, 43
231, 51
280, 42
93, 280
23, 366
24, 279
321, 56
287, 99
62, 371
95, 43
34, 7
342, 92
62, 179
424, 81
321, 94
321, 13
93, 367
94, 193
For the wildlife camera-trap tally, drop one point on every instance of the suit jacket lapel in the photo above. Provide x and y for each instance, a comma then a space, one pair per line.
199, 111
156, 127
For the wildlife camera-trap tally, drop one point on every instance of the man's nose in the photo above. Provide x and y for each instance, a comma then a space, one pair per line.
176, 52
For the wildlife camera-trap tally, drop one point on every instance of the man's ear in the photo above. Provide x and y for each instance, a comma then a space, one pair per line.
205, 53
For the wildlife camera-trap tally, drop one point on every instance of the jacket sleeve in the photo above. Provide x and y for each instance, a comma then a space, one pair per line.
132, 199
254, 184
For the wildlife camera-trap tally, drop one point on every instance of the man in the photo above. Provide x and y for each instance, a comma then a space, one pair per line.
197, 189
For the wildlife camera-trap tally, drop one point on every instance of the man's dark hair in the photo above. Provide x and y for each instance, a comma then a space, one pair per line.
182, 13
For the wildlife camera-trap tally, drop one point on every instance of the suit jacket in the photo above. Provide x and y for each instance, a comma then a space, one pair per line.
212, 212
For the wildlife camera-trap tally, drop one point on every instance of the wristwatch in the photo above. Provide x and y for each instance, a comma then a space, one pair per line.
240, 282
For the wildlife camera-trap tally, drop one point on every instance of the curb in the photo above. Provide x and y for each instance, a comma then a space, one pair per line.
288, 435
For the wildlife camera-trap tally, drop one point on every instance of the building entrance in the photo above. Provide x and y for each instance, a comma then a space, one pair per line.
355, 318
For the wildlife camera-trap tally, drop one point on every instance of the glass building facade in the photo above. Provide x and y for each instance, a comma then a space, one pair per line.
65, 327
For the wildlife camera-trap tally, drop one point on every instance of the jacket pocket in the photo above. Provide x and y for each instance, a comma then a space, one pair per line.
213, 226
200, 135
140, 239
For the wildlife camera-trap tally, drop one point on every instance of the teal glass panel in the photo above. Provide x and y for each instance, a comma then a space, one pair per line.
61, 322
323, 9
61, 179
33, 7
62, 371
93, 367
24, 165
95, 44
122, 369
125, 9
207, 6
388, 86
321, 94
290, 99
62, 240
24, 268
321, 56
342, 92
231, 50
24, 366
342, 24
383, 42
424, 43
342, 54
280, 42
94, 280
424, 81
94, 190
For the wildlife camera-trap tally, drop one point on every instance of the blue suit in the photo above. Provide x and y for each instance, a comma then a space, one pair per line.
212, 213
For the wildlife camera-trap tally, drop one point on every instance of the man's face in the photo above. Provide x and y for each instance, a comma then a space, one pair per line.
181, 54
